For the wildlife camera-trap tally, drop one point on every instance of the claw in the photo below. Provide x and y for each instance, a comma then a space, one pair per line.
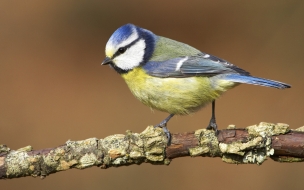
212, 126
166, 131
163, 125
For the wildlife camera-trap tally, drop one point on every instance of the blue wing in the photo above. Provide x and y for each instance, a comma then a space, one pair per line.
200, 65
255, 81
208, 66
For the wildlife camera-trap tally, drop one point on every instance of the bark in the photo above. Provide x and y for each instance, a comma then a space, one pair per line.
251, 145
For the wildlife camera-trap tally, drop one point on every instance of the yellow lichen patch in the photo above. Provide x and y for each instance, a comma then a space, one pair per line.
116, 146
16, 162
281, 128
107, 160
156, 150
32, 167
208, 143
136, 147
115, 153
255, 157
209, 139
239, 147
115, 142
231, 127
155, 142
155, 158
136, 154
268, 129
61, 151
52, 159
257, 148
78, 146
87, 160
301, 129
289, 159
167, 161
26, 148
64, 165
197, 151
33, 159
4, 148
120, 161
155, 154
232, 159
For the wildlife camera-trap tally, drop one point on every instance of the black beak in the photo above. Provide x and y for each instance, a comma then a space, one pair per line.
106, 61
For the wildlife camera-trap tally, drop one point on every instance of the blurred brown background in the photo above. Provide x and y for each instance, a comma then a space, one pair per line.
53, 87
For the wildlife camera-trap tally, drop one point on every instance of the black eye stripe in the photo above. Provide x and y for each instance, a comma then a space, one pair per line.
118, 52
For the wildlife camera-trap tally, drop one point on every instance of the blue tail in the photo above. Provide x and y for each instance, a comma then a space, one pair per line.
256, 81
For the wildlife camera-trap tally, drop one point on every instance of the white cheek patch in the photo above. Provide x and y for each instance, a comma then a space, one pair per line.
132, 57
180, 63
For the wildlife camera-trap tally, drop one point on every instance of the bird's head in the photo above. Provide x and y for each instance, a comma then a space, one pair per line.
129, 47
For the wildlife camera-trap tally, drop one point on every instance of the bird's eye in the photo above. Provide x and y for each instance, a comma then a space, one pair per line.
122, 50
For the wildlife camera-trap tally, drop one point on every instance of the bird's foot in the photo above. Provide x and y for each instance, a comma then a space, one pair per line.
163, 125
213, 126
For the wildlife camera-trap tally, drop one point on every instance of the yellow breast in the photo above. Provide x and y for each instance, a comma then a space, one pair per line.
173, 95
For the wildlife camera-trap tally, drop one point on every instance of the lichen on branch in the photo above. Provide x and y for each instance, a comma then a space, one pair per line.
251, 145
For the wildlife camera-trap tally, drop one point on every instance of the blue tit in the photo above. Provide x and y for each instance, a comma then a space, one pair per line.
171, 76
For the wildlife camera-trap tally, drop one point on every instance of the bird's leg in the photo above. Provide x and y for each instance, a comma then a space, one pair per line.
212, 123
163, 125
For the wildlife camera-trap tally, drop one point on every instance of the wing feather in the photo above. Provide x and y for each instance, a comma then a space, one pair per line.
187, 66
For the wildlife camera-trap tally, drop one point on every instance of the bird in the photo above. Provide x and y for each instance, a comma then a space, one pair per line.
172, 76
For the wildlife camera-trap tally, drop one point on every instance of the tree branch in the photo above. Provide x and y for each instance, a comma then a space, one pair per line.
251, 145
